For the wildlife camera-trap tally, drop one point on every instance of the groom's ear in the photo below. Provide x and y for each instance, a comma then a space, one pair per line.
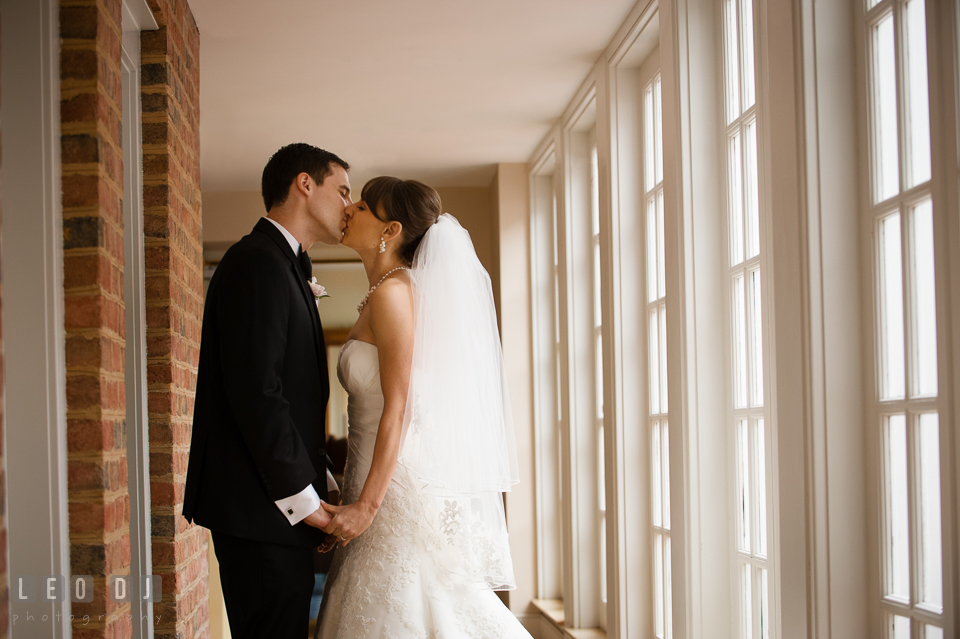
303, 183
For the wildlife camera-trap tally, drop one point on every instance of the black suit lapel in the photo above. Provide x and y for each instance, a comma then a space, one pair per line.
274, 233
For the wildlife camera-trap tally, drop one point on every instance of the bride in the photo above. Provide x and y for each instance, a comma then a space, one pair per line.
422, 535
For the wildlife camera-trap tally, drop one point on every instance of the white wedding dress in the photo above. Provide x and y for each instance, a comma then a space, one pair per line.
400, 578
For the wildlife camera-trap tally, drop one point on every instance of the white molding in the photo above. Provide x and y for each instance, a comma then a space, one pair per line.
545, 152
943, 27
135, 350
576, 116
137, 16
33, 309
625, 42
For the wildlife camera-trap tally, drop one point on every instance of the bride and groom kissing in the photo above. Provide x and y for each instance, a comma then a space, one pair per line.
418, 525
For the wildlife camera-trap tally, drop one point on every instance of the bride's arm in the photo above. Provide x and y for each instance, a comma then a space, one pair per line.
392, 322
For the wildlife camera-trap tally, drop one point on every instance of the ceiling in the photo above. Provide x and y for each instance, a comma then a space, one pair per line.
436, 90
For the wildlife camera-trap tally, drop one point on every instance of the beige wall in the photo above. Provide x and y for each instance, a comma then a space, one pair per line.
513, 251
229, 215
473, 207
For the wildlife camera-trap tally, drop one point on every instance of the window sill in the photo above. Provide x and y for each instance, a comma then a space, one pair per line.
552, 611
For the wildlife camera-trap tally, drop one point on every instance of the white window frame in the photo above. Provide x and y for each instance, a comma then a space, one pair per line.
583, 607
622, 258
943, 169
748, 566
545, 274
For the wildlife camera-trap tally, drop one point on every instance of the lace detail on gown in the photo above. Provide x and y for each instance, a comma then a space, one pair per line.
402, 578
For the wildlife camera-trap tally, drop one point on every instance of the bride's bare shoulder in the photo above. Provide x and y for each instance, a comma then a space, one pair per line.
393, 296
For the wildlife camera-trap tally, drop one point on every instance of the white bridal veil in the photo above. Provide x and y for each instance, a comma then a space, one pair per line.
458, 430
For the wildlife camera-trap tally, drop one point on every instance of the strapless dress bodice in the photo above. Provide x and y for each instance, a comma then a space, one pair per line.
358, 369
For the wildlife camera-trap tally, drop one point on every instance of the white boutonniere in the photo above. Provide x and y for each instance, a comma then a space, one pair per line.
318, 291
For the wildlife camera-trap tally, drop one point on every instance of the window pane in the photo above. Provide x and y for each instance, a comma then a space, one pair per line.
661, 270
603, 559
736, 199
594, 192
764, 605
932, 632
931, 580
751, 188
886, 165
761, 479
657, 132
746, 22
743, 486
654, 358
756, 341
649, 170
739, 346
597, 314
899, 627
891, 309
665, 446
925, 304
731, 62
652, 250
601, 473
746, 602
657, 474
658, 584
917, 97
668, 588
896, 515
664, 406
598, 374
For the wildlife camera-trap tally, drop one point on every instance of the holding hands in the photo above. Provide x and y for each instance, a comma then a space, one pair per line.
347, 523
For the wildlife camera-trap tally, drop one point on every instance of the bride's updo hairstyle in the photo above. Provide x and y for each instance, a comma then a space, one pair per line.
414, 204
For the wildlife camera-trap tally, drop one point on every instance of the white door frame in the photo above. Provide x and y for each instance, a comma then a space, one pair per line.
137, 17
33, 310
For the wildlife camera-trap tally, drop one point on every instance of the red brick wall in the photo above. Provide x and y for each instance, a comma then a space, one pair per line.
170, 59
99, 504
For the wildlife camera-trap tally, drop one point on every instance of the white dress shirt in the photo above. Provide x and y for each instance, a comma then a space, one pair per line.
297, 507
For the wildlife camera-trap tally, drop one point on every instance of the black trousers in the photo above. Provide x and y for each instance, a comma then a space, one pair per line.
266, 587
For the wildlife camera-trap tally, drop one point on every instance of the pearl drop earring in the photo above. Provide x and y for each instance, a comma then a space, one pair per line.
383, 245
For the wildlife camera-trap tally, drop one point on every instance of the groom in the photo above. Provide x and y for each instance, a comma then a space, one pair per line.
258, 464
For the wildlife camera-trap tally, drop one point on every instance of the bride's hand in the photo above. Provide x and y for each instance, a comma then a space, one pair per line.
348, 521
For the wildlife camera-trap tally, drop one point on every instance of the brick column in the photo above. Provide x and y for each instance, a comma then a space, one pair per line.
170, 59
99, 505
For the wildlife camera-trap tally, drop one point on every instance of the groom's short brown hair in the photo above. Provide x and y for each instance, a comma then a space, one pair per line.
289, 162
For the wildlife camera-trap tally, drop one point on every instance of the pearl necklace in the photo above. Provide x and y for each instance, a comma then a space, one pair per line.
366, 297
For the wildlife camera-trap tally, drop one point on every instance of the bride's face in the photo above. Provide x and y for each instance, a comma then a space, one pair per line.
362, 229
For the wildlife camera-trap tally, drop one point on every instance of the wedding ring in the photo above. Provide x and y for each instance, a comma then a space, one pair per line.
341, 537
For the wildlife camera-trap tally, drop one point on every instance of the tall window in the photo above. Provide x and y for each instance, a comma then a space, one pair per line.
659, 432
746, 421
598, 376
907, 400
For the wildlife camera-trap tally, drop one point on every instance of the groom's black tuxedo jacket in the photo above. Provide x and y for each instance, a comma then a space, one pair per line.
262, 390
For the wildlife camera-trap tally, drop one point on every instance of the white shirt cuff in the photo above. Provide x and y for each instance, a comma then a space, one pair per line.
332, 483
300, 506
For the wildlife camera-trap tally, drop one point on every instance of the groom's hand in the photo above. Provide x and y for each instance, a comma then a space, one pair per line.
319, 518
328, 544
